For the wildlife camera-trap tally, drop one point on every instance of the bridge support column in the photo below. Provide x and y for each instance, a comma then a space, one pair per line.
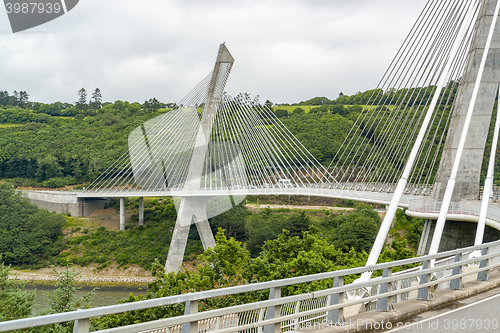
122, 214
141, 211
191, 209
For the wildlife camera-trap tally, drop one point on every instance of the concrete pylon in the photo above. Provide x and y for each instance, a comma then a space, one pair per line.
193, 209
458, 234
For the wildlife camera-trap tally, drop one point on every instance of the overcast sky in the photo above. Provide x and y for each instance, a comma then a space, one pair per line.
285, 50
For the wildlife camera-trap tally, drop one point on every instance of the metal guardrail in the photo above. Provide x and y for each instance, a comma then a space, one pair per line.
280, 314
457, 208
415, 189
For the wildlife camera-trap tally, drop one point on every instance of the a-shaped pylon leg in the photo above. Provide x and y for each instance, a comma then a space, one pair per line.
191, 209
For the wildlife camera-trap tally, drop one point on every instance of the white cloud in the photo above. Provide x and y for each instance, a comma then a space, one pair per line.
286, 51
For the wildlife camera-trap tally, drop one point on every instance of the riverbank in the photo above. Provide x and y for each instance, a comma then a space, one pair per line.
133, 277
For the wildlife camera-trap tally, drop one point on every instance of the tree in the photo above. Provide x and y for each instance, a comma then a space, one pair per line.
227, 258
152, 105
298, 111
261, 227
280, 113
4, 98
15, 303
298, 223
338, 108
287, 256
359, 230
23, 99
15, 96
63, 299
82, 99
27, 233
268, 104
233, 221
96, 101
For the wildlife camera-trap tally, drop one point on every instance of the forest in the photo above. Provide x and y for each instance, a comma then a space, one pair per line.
61, 144
248, 251
58, 144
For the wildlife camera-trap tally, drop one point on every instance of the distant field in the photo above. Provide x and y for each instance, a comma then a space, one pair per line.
306, 108
10, 125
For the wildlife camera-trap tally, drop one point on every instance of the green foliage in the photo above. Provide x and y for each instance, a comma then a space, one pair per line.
280, 113
358, 230
229, 264
14, 302
64, 151
233, 221
297, 223
227, 258
63, 299
136, 245
27, 234
412, 227
288, 256
220, 268
263, 226
321, 133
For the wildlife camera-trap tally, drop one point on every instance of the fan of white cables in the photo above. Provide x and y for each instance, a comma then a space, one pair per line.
377, 147
249, 147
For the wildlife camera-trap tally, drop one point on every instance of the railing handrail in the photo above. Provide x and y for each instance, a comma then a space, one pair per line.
179, 320
196, 296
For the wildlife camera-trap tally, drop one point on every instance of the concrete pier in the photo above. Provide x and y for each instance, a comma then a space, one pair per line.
122, 214
141, 211
468, 177
194, 209
467, 180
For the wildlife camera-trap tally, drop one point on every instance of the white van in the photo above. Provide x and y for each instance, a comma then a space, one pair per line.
285, 183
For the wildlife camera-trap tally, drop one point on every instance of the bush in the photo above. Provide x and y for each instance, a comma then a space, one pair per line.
28, 233
14, 302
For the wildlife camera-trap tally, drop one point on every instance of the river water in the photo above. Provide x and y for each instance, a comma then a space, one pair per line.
108, 296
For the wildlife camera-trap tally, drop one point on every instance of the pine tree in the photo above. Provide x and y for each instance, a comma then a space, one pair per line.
82, 99
15, 303
96, 101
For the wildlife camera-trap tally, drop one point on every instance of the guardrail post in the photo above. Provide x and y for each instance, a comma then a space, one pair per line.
424, 293
190, 308
457, 284
81, 325
336, 316
297, 310
483, 276
273, 312
384, 304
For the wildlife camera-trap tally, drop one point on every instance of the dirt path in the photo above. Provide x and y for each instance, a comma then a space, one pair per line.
254, 206
133, 274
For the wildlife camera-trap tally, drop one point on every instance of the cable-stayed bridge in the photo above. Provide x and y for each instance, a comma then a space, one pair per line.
420, 142
423, 133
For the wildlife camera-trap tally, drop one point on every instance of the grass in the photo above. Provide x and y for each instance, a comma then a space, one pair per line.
10, 125
308, 108
290, 109
88, 241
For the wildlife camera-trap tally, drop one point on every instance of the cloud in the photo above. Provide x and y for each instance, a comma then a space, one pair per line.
285, 51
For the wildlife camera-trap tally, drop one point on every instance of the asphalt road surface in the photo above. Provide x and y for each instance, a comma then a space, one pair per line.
481, 316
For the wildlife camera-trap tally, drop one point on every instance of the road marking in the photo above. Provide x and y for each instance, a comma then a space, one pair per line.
449, 312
